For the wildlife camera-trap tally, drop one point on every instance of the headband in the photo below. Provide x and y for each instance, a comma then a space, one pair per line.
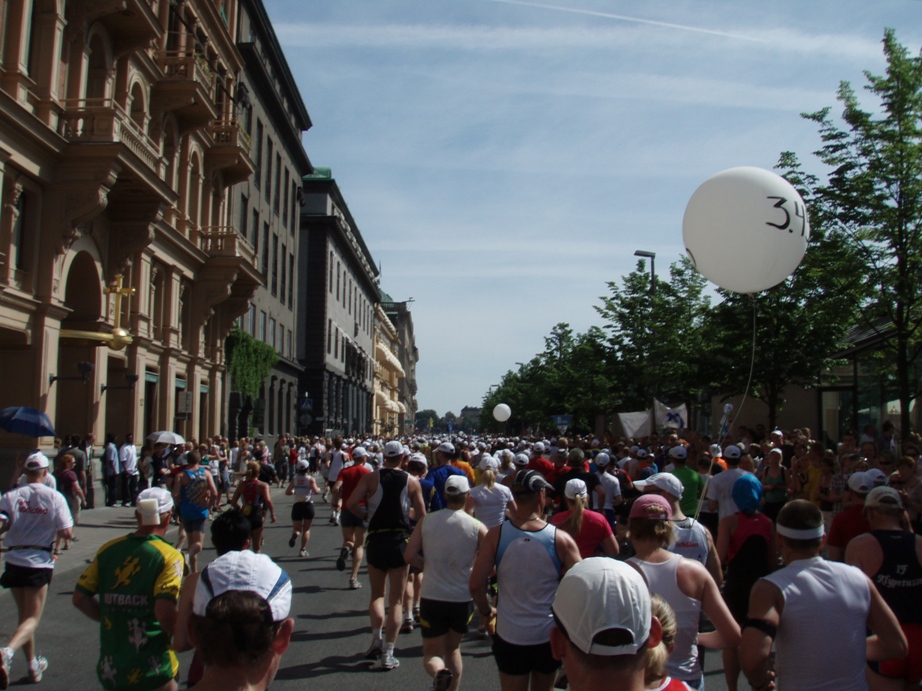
806, 534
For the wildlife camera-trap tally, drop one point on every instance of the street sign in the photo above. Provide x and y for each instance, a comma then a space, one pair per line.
563, 422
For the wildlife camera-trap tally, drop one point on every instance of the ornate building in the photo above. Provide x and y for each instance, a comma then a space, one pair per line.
122, 268
388, 409
408, 355
338, 289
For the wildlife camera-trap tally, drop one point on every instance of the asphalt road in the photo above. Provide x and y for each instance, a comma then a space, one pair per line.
331, 622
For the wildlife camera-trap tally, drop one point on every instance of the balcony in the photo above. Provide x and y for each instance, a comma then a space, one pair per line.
132, 23
103, 121
187, 88
225, 241
230, 153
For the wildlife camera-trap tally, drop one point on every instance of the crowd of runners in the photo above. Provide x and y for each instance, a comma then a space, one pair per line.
585, 560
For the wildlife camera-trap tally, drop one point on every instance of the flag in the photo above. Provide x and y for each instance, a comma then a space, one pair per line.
675, 418
635, 424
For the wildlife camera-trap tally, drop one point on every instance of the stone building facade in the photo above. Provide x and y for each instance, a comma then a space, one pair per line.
338, 288
121, 263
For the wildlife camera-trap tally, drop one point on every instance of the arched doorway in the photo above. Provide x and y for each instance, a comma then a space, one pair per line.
75, 400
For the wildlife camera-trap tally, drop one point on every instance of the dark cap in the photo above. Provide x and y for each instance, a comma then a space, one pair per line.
529, 481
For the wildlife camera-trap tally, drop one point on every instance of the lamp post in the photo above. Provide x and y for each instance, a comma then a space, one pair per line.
652, 257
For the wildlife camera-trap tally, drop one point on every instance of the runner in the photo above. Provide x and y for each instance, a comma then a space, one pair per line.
131, 588
31, 516
304, 487
337, 461
195, 491
816, 612
891, 556
449, 539
524, 544
255, 497
353, 525
390, 493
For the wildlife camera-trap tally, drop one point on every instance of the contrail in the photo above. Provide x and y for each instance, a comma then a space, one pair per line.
636, 20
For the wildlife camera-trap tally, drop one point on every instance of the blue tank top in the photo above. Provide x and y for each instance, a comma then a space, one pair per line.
193, 496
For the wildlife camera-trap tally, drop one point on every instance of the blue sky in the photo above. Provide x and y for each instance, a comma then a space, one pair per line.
504, 159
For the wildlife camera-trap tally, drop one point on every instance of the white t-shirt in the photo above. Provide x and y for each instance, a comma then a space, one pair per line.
49, 481
720, 489
490, 504
35, 513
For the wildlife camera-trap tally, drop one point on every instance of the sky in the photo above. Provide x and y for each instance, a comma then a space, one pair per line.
504, 159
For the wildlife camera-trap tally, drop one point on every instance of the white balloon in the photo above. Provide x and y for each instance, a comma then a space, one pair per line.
746, 229
502, 412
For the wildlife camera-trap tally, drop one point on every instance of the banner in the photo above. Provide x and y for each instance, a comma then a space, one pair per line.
635, 424
674, 418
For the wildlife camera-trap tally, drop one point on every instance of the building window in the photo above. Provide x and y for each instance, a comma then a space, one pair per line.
285, 205
272, 331
257, 176
290, 354
282, 281
329, 336
265, 249
254, 230
278, 183
274, 266
294, 207
331, 273
19, 233
244, 215
268, 187
251, 321
337, 281
336, 346
262, 326
281, 340
291, 281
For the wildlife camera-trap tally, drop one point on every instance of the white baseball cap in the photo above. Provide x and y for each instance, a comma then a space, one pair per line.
247, 571
163, 498
487, 462
36, 461
359, 452
599, 595
520, 459
575, 488
664, 481
457, 484
393, 448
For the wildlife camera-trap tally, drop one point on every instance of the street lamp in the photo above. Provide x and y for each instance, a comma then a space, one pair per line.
652, 257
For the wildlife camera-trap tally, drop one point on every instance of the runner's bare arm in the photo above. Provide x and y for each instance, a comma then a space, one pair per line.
483, 567
87, 604
888, 640
765, 605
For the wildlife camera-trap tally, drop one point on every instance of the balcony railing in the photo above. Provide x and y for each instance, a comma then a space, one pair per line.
102, 120
225, 241
187, 66
229, 133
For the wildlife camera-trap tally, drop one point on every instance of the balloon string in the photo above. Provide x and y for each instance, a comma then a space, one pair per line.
730, 424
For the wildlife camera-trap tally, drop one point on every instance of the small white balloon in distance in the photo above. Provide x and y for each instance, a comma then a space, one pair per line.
746, 229
502, 412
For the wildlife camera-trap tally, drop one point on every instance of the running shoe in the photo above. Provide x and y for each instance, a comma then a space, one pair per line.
6, 661
341, 561
291, 540
407, 625
386, 662
37, 668
375, 650
442, 680
354, 584
416, 615
302, 553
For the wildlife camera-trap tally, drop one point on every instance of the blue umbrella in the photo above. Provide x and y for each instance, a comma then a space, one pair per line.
20, 419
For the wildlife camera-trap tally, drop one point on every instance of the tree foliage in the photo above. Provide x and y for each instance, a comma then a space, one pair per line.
249, 361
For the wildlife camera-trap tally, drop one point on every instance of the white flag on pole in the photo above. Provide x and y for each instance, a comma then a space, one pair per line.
636, 424
666, 417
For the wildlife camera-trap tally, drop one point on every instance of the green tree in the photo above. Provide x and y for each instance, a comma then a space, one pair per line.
424, 416
873, 203
656, 339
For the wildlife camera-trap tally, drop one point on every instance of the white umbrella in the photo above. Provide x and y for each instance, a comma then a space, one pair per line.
166, 437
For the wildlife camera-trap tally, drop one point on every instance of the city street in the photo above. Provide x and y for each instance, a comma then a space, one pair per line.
331, 622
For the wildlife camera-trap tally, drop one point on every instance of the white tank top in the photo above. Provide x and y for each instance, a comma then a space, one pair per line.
821, 643
303, 491
449, 546
691, 540
527, 571
683, 662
